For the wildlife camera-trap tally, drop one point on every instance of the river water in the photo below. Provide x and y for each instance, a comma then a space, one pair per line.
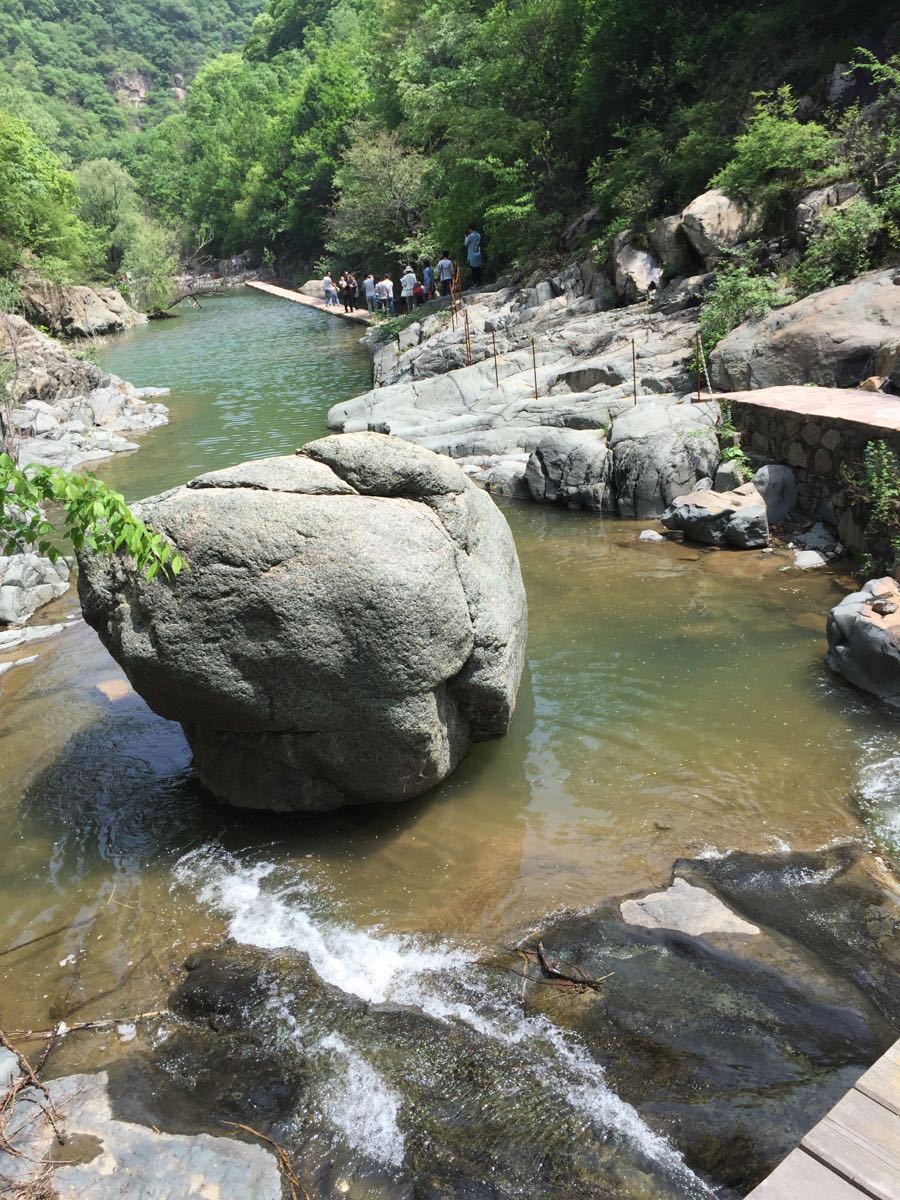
675, 702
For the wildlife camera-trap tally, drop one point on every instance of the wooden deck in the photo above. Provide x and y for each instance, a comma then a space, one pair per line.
854, 1151
875, 410
362, 316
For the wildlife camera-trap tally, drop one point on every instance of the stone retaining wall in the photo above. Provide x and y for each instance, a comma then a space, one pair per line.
820, 450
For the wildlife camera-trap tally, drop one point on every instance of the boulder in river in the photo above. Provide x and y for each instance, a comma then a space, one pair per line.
352, 620
571, 467
660, 451
735, 518
864, 639
27, 582
78, 311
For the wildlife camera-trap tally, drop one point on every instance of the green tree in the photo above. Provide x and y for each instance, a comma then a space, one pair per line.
38, 200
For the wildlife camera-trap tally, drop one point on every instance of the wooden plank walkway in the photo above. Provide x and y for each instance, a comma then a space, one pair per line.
362, 316
854, 1151
875, 410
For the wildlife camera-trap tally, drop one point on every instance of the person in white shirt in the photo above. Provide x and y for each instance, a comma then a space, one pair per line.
331, 292
407, 283
385, 293
445, 272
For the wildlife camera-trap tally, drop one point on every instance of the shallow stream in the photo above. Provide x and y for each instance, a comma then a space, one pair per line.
675, 702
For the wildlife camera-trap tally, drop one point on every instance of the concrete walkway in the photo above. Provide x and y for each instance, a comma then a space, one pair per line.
361, 316
874, 410
854, 1151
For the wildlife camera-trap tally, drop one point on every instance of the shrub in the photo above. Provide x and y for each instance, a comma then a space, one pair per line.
776, 152
735, 296
841, 249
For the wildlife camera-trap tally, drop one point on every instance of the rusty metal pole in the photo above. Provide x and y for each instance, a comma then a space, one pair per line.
468, 339
634, 371
496, 372
697, 352
534, 367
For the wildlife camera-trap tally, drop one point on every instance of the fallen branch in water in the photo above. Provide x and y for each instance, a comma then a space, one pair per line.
62, 1029
557, 971
284, 1162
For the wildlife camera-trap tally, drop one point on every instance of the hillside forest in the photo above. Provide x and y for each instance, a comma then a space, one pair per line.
134, 136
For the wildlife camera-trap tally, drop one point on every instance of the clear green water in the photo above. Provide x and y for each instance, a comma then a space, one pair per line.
675, 701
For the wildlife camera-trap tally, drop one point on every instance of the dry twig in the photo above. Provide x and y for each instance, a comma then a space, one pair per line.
284, 1162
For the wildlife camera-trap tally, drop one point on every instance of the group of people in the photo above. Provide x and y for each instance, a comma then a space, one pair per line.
415, 287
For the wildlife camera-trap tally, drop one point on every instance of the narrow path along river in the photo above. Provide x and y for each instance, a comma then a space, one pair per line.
675, 702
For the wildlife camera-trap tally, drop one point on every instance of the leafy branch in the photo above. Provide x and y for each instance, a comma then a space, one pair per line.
93, 516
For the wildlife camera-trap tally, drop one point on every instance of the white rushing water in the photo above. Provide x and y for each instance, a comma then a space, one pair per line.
441, 980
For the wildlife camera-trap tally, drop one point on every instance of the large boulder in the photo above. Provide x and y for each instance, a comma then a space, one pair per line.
834, 338
571, 467
714, 223
77, 311
660, 451
634, 271
864, 639
352, 620
735, 518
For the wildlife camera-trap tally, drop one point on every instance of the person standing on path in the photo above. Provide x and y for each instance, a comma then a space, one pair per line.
369, 289
473, 253
385, 293
445, 272
328, 289
428, 279
407, 286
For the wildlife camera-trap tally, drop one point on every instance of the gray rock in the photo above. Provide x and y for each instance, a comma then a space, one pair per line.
777, 485
124, 1160
835, 338
650, 535
809, 560
10, 639
729, 475
325, 647
671, 247
703, 485
810, 208
735, 518
28, 582
864, 643
659, 452
682, 293
571, 467
713, 223
821, 538
634, 271
687, 908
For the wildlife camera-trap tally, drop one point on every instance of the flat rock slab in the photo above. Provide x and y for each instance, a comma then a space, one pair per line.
687, 908
871, 409
120, 1160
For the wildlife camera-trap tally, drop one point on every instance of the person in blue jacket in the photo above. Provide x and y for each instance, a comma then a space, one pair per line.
473, 253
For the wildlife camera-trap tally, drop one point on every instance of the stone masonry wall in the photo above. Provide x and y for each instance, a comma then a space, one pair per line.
818, 449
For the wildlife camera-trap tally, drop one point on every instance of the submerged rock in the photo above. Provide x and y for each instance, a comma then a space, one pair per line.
864, 639
746, 1000
352, 620
735, 518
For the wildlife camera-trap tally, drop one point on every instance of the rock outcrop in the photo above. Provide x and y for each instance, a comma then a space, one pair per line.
67, 412
28, 582
811, 207
660, 451
834, 338
77, 311
571, 467
352, 620
735, 518
864, 639
634, 270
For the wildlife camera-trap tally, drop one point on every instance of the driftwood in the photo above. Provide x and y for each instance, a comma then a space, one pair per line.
555, 971
27, 1080
63, 1028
